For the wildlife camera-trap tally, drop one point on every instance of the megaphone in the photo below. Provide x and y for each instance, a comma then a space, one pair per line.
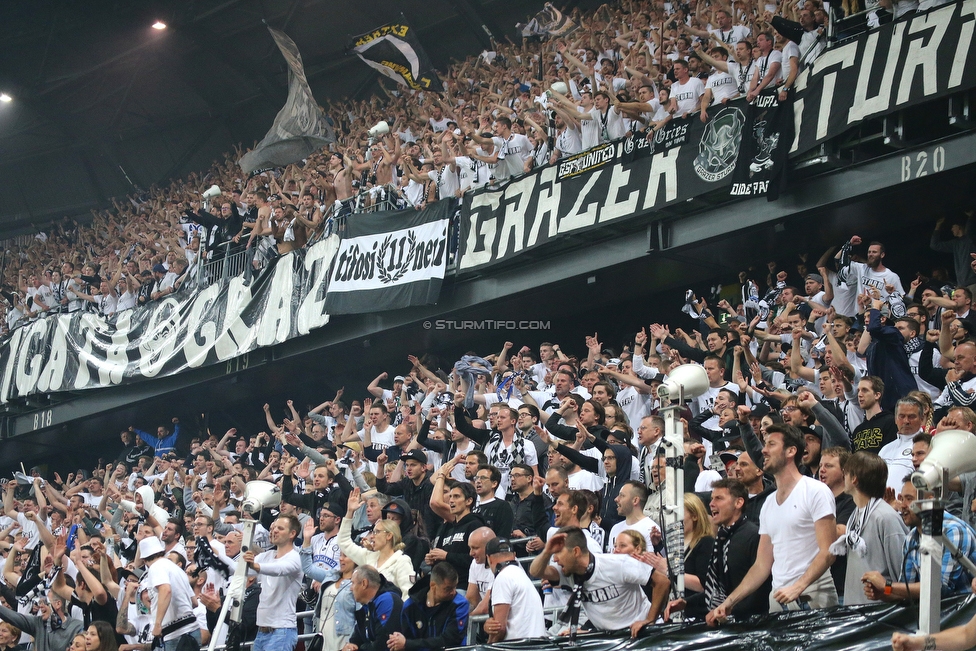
260, 495
381, 129
560, 87
953, 452
684, 382
211, 192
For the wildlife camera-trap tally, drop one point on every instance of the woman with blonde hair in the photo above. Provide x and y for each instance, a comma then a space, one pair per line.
9, 637
387, 554
629, 541
699, 538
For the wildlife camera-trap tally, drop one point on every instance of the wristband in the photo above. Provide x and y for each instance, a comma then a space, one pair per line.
887, 588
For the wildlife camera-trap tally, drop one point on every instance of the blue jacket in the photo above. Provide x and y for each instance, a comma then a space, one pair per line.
440, 627
379, 618
162, 445
888, 360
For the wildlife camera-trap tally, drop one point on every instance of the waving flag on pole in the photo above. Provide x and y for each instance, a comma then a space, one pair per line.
395, 51
300, 128
549, 22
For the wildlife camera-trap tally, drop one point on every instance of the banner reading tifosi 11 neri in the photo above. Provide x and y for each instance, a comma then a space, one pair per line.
183, 331
899, 65
390, 260
615, 181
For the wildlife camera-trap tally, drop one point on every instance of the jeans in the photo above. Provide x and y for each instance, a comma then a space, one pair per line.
171, 644
281, 639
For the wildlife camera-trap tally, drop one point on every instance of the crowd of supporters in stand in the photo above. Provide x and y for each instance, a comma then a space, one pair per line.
526, 484
630, 66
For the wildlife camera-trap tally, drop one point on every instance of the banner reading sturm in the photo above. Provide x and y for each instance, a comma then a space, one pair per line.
390, 260
184, 331
901, 64
618, 180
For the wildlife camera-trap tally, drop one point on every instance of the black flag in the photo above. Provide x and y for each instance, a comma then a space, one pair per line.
766, 140
32, 573
300, 128
395, 51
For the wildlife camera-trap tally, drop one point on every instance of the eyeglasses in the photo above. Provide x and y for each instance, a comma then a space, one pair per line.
789, 409
518, 474
483, 477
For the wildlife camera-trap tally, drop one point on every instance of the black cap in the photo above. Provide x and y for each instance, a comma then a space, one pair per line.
498, 546
338, 509
394, 507
811, 430
415, 455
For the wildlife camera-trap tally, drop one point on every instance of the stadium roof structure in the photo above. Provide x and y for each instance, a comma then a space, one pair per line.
101, 101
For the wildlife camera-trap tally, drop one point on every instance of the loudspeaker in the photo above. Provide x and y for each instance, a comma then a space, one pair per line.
686, 381
953, 452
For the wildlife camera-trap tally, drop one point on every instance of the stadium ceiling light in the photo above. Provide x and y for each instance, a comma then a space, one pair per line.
4, 97
160, 25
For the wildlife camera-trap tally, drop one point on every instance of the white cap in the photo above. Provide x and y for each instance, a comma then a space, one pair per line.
150, 546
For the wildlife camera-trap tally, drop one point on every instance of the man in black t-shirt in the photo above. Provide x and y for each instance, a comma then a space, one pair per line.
497, 514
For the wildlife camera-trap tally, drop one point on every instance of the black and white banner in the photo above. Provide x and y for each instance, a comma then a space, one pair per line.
899, 65
607, 183
390, 260
395, 51
761, 168
71, 352
549, 22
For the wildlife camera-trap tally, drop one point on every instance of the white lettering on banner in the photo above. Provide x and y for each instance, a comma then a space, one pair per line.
274, 323
917, 165
85, 326
13, 346
922, 54
619, 177
846, 56
199, 330
962, 47
111, 370
514, 220
53, 374
662, 165
746, 189
863, 105
161, 337
576, 219
473, 255
311, 313
547, 209
235, 335
29, 369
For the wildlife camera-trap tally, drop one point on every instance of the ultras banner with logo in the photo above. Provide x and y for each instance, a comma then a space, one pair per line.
761, 168
899, 65
390, 260
619, 180
70, 352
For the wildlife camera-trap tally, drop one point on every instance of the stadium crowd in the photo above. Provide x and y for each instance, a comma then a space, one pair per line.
527, 485
629, 67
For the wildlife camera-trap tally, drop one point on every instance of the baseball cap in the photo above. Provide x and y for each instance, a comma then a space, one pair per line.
393, 507
811, 430
159, 269
415, 455
353, 445
498, 546
338, 509
729, 456
817, 277
399, 378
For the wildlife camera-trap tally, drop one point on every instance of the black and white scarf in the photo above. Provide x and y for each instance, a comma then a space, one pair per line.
571, 614
716, 579
500, 454
913, 345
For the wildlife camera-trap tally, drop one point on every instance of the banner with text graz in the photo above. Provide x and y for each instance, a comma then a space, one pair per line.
619, 180
70, 352
899, 65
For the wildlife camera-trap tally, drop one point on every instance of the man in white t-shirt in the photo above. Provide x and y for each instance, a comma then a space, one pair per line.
796, 528
480, 574
720, 87
872, 274
516, 608
514, 150
170, 594
609, 588
630, 506
686, 92
769, 67
279, 572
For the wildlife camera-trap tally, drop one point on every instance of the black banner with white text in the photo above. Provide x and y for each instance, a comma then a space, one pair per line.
896, 66
618, 180
71, 352
761, 168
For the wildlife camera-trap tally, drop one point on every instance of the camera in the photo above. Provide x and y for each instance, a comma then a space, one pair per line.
346, 460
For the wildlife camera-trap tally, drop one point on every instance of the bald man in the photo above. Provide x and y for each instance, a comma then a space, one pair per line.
480, 576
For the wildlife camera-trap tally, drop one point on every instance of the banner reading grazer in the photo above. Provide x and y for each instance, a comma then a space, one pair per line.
183, 331
618, 180
390, 260
898, 65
